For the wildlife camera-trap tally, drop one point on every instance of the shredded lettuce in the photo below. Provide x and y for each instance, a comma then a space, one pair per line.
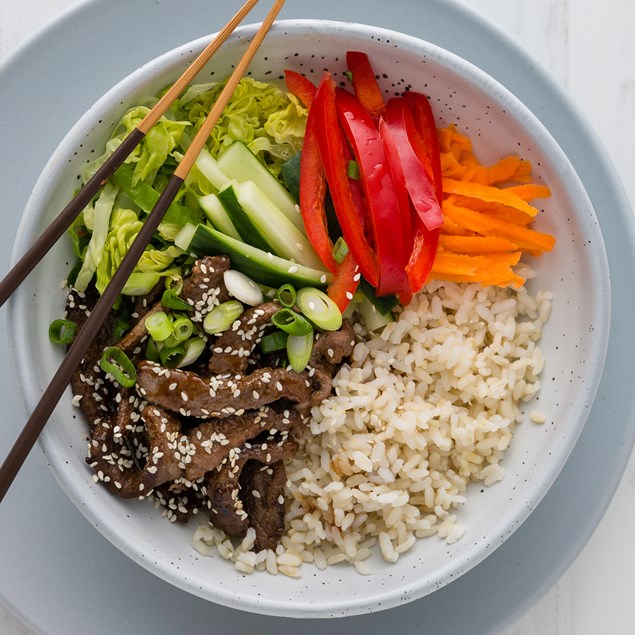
100, 222
268, 120
259, 114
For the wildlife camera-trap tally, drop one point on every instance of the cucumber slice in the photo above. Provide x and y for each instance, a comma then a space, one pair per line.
210, 169
284, 238
250, 231
217, 215
262, 267
240, 163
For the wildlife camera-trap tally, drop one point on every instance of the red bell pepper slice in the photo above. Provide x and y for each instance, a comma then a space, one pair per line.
379, 188
333, 152
302, 87
426, 128
415, 167
313, 193
406, 211
345, 282
312, 197
365, 84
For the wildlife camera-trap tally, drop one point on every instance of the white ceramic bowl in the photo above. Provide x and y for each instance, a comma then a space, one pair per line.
574, 340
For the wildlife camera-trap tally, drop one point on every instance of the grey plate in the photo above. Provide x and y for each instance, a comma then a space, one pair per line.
56, 570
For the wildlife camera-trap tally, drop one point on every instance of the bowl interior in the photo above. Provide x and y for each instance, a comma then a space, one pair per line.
574, 340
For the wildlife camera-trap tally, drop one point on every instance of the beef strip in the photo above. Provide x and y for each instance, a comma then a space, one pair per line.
94, 394
225, 504
132, 458
212, 439
232, 348
263, 500
332, 347
204, 288
224, 395
180, 499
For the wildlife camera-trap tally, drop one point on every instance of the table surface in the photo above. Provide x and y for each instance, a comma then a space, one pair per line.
594, 595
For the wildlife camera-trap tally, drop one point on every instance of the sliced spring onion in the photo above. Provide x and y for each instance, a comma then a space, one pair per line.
140, 283
349, 76
193, 349
352, 170
276, 341
340, 249
119, 328
299, 349
220, 318
117, 363
319, 308
171, 300
243, 288
182, 329
170, 355
174, 281
62, 331
291, 322
286, 295
152, 351
159, 325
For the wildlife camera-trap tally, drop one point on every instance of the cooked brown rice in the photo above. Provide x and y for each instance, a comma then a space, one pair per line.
426, 407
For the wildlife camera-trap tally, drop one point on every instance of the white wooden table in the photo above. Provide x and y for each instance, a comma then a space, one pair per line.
589, 48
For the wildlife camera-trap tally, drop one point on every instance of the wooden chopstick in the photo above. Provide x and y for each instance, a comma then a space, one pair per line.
85, 336
56, 229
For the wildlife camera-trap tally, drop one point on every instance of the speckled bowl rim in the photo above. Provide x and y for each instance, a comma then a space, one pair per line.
502, 529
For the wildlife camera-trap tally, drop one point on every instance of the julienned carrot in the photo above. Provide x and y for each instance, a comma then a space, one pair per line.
529, 191
487, 193
475, 244
487, 214
526, 239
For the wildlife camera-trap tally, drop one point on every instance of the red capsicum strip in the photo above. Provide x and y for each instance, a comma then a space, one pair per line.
302, 87
379, 188
418, 179
333, 153
425, 126
312, 197
365, 84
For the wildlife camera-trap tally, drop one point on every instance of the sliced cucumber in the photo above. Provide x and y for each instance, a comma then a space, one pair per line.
373, 319
284, 238
210, 169
217, 215
249, 230
260, 266
240, 163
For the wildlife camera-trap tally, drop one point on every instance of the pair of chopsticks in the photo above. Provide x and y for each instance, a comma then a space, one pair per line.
85, 336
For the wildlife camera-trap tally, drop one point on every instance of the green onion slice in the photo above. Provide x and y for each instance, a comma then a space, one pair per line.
352, 170
62, 331
340, 249
291, 322
117, 363
193, 349
120, 326
170, 355
171, 300
299, 349
319, 308
276, 341
182, 329
152, 351
220, 318
159, 325
174, 282
286, 295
